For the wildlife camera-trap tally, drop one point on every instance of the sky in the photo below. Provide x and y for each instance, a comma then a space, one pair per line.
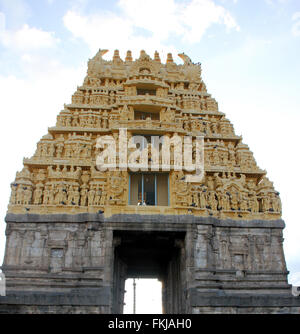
249, 51
147, 301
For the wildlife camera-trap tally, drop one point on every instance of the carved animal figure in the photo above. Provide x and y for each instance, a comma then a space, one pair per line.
186, 59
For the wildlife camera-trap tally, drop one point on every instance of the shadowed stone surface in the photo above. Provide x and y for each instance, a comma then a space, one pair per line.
69, 257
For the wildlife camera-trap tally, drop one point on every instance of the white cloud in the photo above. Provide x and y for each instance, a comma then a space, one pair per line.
188, 20
94, 31
141, 13
296, 26
27, 38
159, 20
199, 15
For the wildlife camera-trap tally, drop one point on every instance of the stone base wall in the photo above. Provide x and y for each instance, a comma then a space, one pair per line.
39, 309
205, 303
93, 302
246, 310
65, 264
81, 302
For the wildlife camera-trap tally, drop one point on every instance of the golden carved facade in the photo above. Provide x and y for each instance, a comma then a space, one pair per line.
146, 97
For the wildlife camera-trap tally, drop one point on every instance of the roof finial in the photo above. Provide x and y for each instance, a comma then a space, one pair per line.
142, 53
169, 58
128, 56
116, 55
156, 56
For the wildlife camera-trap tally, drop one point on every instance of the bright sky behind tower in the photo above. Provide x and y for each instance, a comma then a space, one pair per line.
249, 51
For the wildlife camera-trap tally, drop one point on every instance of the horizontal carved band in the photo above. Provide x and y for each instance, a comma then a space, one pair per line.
136, 218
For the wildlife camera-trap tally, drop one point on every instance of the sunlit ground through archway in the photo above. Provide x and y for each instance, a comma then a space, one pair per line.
148, 296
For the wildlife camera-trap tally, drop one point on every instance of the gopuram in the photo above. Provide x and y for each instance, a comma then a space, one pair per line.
77, 230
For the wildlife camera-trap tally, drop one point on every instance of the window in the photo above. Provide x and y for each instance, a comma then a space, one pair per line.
58, 253
146, 91
142, 115
56, 259
149, 189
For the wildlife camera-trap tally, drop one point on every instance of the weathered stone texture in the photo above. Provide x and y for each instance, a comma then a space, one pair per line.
221, 264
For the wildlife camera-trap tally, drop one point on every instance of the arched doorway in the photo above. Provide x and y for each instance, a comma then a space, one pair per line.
151, 254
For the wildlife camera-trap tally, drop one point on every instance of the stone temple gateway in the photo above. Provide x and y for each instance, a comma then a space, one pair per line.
76, 232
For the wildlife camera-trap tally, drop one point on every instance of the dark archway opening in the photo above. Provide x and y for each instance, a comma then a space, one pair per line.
150, 254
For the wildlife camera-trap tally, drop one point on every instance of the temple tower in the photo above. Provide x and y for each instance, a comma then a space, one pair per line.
143, 176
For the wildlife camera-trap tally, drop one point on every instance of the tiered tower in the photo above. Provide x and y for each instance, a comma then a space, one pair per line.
74, 229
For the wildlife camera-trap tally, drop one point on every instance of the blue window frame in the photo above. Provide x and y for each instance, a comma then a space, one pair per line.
149, 189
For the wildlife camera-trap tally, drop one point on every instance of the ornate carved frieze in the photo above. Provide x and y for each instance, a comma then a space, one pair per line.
146, 97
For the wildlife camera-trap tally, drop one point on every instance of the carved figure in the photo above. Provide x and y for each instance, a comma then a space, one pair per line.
91, 196
38, 195
13, 196
83, 195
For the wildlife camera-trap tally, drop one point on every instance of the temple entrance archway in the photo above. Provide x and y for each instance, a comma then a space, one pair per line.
151, 254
